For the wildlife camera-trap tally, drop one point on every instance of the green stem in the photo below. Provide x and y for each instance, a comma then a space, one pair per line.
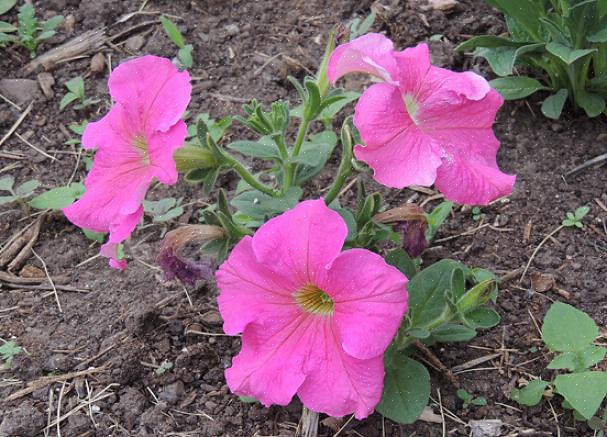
301, 134
445, 317
345, 168
247, 176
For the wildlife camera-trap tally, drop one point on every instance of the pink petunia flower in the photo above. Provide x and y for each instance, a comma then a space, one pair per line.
423, 124
135, 142
315, 321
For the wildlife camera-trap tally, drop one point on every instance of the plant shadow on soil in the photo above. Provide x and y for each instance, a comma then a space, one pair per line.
133, 321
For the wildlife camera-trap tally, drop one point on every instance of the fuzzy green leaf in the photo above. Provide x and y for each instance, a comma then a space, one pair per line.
173, 33
531, 394
593, 104
6, 5
553, 105
516, 87
583, 391
406, 389
6, 183
26, 188
567, 54
58, 198
567, 329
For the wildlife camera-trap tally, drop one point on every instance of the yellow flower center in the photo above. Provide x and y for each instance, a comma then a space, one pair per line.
412, 107
140, 143
313, 300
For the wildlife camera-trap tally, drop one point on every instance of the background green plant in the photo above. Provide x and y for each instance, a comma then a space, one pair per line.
30, 32
564, 42
570, 334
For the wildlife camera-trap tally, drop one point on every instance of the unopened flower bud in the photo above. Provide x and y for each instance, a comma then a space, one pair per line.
192, 157
175, 264
410, 221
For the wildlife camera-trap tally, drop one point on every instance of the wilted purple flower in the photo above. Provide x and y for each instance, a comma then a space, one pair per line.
410, 221
176, 265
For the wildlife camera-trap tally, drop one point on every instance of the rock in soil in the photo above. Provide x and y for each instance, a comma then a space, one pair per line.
135, 43
46, 82
20, 91
25, 420
173, 392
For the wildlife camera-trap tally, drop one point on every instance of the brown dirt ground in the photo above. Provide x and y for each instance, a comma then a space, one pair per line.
129, 321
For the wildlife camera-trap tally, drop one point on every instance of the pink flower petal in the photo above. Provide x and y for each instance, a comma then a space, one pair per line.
471, 181
370, 53
302, 241
370, 299
152, 89
336, 383
270, 365
161, 147
250, 291
120, 231
413, 65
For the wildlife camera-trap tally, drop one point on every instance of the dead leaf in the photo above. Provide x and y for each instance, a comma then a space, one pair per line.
428, 415
541, 282
442, 5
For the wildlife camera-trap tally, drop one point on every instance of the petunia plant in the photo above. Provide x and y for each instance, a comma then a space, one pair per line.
333, 298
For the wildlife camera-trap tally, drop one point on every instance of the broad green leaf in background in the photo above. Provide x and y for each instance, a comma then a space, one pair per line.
402, 261
171, 30
264, 148
483, 318
320, 146
599, 37
583, 391
406, 389
436, 218
567, 54
525, 12
531, 394
6, 183
451, 332
489, 41
553, 105
7, 27
427, 291
58, 198
27, 188
185, 55
6, 5
576, 361
567, 329
8, 351
503, 59
258, 205
512, 88
99, 237
593, 104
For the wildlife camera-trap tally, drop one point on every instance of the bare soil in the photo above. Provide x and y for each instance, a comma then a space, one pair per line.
129, 323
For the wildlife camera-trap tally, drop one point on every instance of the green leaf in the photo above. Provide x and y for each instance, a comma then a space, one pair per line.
45, 35
169, 215
264, 148
76, 85
52, 23
464, 395
567, 329
171, 30
7, 199
576, 361
402, 261
583, 391
593, 104
567, 54
503, 59
436, 218
7, 27
99, 237
406, 390
262, 206
488, 41
348, 217
185, 55
525, 12
427, 290
483, 318
516, 87
458, 284
218, 128
333, 109
452, 333
58, 198
581, 212
321, 145
26, 188
553, 105
6, 183
531, 394
599, 37
8, 351
6, 5
66, 100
